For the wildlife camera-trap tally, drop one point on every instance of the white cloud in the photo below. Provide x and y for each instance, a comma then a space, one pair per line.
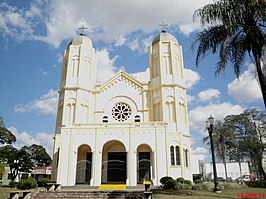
209, 94
105, 20
46, 104
191, 78
120, 41
190, 98
143, 77
198, 116
25, 139
200, 151
105, 65
42, 71
18, 23
246, 88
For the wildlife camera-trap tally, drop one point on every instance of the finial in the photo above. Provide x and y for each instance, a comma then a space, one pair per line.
163, 25
82, 28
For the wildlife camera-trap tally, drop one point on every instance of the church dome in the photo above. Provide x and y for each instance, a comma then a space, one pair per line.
81, 40
164, 37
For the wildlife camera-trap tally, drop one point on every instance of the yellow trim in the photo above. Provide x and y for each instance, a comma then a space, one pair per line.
112, 187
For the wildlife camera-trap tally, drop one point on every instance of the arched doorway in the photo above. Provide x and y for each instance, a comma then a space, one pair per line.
84, 165
114, 162
144, 163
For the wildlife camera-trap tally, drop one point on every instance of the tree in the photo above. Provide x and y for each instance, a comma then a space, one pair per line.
2, 169
234, 151
249, 128
220, 135
38, 155
6, 136
24, 159
235, 28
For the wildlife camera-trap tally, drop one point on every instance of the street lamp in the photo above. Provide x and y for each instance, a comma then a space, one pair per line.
209, 127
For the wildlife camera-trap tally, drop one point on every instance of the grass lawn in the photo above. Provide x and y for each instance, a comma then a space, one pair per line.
228, 194
4, 192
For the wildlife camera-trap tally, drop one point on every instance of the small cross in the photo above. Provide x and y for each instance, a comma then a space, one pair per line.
82, 28
163, 25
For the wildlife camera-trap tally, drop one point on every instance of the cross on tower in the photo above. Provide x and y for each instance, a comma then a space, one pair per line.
82, 28
163, 25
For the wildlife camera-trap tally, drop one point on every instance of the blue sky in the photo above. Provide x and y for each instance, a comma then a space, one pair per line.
34, 34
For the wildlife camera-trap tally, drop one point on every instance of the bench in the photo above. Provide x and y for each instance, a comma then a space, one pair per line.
19, 194
53, 187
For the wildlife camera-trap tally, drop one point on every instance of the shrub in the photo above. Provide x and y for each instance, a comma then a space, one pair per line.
257, 184
27, 184
164, 179
198, 181
21, 185
187, 182
228, 185
170, 184
181, 180
183, 186
43, 182
207, 186
12, 184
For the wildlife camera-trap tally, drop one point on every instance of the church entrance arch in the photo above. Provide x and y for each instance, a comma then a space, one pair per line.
114, 162
144, 163
84, 165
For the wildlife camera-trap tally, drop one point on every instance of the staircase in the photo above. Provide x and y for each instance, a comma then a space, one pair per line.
118, 191
118, 194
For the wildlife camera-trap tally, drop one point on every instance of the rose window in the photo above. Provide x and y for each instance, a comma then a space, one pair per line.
121, 112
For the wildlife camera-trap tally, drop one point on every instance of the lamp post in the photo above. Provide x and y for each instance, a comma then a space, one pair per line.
209, 126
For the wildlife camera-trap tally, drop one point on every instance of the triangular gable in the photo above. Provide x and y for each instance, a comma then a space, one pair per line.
121, 76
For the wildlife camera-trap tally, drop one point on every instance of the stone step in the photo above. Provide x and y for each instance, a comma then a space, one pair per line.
90, 194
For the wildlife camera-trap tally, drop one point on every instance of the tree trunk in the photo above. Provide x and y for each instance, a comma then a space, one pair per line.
260, 168
240, 170
262, 79
225, 169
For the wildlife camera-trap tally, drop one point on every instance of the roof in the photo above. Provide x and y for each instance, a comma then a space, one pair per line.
164, 37
81, 39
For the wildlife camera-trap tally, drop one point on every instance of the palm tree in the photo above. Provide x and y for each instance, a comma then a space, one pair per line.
234, 28
220, 135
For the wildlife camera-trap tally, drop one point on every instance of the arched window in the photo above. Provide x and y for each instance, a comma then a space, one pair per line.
137, 118
172, 153
186, 157
177, 155
105, 119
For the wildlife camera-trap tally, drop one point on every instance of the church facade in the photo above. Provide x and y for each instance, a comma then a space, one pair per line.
122, 130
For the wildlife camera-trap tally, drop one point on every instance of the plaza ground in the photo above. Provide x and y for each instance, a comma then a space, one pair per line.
190, 194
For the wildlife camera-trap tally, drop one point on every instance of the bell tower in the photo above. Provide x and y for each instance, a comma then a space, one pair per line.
167, 84
77, 81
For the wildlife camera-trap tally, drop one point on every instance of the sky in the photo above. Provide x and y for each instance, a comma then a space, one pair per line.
35, 33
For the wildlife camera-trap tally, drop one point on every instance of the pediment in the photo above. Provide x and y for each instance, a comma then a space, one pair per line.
121, 77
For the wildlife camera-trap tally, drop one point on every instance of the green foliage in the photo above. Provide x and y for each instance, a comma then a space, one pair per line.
178, 184
183, 186
256, 184
43, 182
181, 180
12, 184
2, 169
164, 179
249, 139
235, 28
38, 155
6, 136
228, 185
27, 184
170, 184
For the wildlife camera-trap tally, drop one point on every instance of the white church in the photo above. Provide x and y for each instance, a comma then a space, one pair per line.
121, 131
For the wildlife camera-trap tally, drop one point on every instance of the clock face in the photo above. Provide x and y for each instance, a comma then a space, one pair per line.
121, 111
